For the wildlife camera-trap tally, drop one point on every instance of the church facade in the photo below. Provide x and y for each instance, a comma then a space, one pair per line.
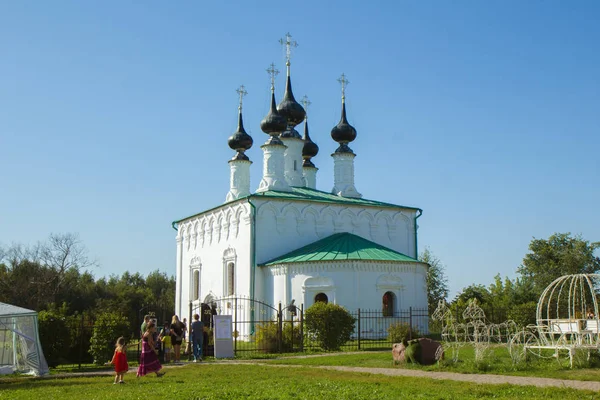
291, 243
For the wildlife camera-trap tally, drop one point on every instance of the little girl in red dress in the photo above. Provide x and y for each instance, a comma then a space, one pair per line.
119, 360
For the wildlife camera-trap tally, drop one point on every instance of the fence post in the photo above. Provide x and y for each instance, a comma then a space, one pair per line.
302, 327
359, 328
279, 327
188, 344
81, 341
410, 323
235, 331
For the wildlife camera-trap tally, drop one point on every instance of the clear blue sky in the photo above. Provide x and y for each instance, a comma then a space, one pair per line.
114, 117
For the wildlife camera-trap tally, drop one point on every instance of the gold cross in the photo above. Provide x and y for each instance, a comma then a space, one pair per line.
342, 79
288, 43
242, 92
305, 102
273, 72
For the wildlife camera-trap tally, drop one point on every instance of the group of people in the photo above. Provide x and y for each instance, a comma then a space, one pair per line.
170, 340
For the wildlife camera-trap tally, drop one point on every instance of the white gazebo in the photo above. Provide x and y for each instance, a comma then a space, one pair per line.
20, 349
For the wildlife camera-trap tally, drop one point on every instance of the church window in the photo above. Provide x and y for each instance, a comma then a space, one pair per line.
321, 297
295, 165
229, 263
230, 279
195, 285
388, 301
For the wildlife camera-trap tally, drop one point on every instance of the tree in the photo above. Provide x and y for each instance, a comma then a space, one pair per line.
437, 282
64, 253
561, 254
108, 327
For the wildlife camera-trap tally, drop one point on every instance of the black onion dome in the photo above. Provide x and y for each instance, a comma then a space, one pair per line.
343, 132
289, 108
310, 148
273, 123
240, 140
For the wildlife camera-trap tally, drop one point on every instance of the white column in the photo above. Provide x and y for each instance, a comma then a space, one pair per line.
239, 179
293, 161
310, 177
178, 273
343, 175
273, 169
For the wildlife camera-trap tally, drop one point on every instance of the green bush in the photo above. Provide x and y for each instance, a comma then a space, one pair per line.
523, 314
331, 325
108, 327
54, 336
266, 337
400, 331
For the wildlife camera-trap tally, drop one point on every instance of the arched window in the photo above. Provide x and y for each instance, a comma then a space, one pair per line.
195, 285
388, 304
230, 279
321, 297
229, 262
194, 282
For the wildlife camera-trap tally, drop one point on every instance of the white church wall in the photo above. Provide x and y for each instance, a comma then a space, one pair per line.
283, 226
208, 242
352, 284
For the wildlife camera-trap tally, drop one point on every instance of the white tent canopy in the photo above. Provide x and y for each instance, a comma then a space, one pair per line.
20, 349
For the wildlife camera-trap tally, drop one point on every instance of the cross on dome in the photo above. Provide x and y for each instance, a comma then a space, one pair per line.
273, 72
344, 82
305, 102
288, 43
241, 91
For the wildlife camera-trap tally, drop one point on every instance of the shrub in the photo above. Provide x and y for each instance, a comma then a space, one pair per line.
54, 336
400, 331
266, 337
523, 314
108, 327
331, 325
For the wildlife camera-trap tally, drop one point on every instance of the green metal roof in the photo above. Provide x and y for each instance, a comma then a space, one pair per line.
306, 194
341, 247
303, 193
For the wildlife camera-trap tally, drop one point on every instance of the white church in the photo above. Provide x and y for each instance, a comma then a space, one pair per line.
289, 242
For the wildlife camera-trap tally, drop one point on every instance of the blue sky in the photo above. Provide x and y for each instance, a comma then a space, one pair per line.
114, 117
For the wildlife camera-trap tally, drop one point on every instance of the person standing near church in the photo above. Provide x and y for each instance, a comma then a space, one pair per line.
197, 337
176, 337
144, 325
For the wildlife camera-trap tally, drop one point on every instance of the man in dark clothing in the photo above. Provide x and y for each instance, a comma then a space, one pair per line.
197, 337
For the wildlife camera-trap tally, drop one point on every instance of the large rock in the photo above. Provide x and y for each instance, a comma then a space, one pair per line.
422, 351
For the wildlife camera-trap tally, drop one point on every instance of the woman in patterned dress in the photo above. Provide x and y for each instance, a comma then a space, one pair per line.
149, 360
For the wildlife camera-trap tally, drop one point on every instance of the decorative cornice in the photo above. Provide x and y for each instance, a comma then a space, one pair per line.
216, 226
353, 265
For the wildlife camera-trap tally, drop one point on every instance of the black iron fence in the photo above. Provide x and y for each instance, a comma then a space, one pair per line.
261, 328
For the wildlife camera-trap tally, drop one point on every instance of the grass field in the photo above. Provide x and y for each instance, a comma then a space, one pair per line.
233, 381
239, 381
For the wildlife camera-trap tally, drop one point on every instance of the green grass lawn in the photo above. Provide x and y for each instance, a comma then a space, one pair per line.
498, 362
239, 381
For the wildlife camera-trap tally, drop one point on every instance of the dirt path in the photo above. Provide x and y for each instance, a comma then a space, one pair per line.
474, 378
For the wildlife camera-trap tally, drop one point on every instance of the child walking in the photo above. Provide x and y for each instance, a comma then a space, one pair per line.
148, 359
119, 360
165, 337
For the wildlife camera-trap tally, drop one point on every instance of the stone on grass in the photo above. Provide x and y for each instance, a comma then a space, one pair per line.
422, 351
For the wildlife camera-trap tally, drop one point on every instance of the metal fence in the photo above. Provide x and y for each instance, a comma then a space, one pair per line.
259, 327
